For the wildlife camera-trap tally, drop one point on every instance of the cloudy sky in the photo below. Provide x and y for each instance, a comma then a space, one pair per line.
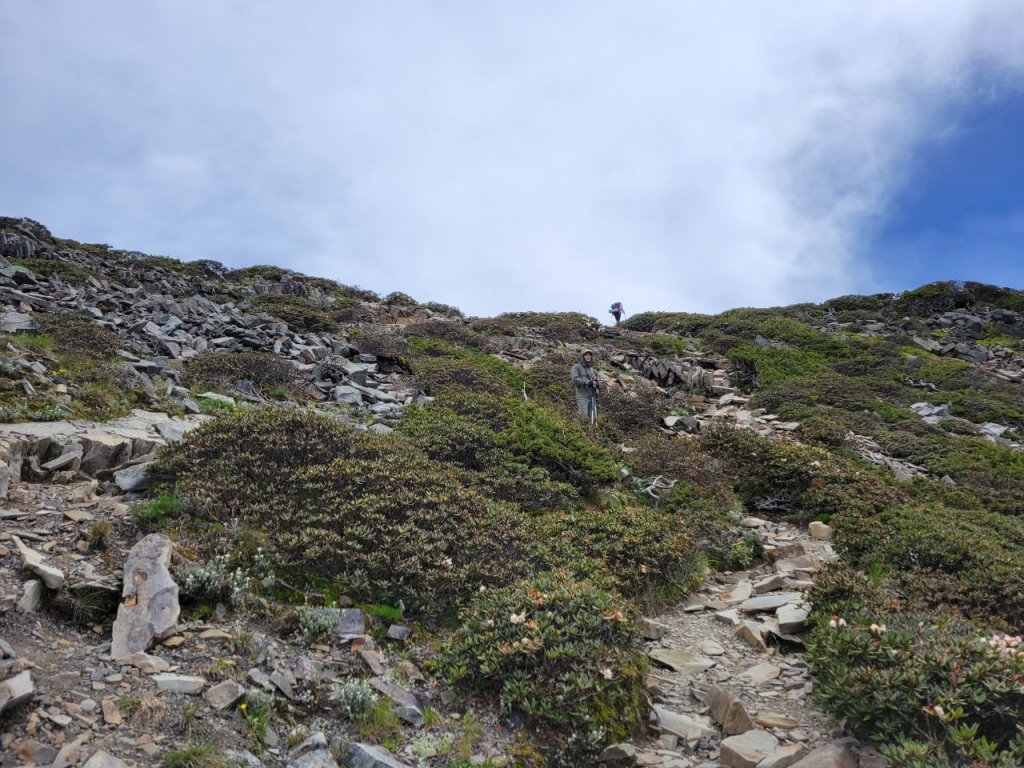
546, 155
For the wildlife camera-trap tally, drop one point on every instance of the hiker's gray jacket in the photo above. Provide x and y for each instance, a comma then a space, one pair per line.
581, 374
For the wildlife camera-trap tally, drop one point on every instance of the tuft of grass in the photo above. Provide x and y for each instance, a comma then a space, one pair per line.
195, 756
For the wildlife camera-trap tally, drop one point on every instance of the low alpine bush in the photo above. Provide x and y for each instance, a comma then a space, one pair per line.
561, 652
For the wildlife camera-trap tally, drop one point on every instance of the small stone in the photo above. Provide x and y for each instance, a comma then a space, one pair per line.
680, 661
793, 617
686, 727
751, 633
819, 531
15, 690
784, 757
618, 756
225, 694
351, 622
188, 684
839, 754
727, 711
650, 629
769, 602
147, 663
34, 752
399, 632
367, 756
102, 759
31, 596
775, 720
111, 714
711, 648
33, 561
761, 673
747, 749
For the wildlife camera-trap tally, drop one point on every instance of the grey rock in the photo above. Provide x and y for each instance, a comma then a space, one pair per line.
15, 690
747, 749
225, 694
650, 629
33, 561
103, 759
784, 757
838, 754
134, 478
319, 758
399, 632
727, 711
792, 617
189, 684
618, 756
689, 728
245, 757
351, 622
769, 602
31, 596
688, 664
149, 607
367, 756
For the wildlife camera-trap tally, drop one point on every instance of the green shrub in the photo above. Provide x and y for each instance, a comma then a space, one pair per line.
645, 554
970, 559
559, 651
223, 370
802, 480
544, 439
454, 332
380, 342
69, 272
78, 336
448, 437
903, 679
570, 327
302, 313
369, 513
399, 299
822, 430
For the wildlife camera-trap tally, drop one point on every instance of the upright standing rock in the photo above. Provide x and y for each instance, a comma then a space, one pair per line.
149, 601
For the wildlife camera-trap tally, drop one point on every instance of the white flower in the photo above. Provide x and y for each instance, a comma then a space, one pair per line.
518, 618
447, 562
483, 588
606, 673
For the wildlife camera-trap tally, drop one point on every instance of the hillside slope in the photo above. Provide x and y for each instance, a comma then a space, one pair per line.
323, 447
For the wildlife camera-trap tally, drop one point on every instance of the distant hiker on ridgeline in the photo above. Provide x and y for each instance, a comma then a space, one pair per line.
584, 377
617, 311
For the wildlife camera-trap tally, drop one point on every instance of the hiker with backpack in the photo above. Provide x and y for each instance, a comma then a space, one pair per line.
617, 311
584, 377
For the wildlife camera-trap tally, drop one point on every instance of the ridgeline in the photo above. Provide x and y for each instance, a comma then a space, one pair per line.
259, 518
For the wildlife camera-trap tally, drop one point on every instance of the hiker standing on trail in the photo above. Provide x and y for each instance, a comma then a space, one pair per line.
617, 311
584, 377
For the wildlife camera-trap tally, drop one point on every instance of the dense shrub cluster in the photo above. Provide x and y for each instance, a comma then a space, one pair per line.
932, 692
370, 514
645, 554
77, 335
65, 270
799, 479
376, 340
454, 332
570, 327
223, 370
560, 652
970, 559
302, 313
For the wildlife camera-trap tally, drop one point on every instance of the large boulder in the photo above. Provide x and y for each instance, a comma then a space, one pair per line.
149, 601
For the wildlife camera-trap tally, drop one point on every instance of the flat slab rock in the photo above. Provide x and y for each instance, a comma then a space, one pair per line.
769, 602
747, 749
367, 756
681, 661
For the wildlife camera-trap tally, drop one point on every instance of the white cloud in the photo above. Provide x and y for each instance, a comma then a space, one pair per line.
492, 155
